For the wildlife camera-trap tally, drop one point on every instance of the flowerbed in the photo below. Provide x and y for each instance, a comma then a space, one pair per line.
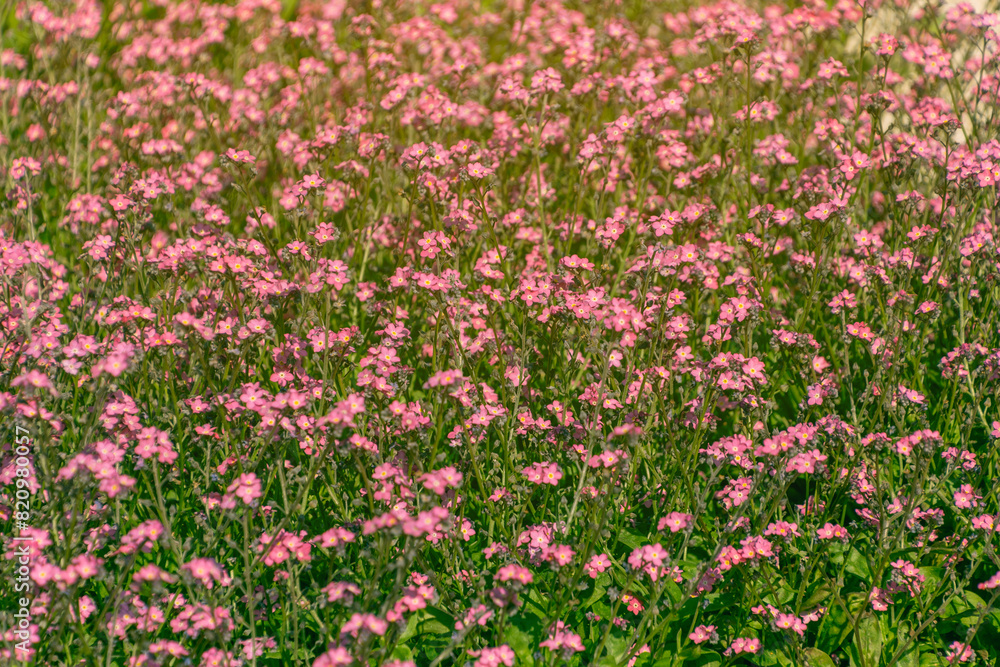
580, 333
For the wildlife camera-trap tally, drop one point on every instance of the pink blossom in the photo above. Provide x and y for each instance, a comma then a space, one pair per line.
704, 633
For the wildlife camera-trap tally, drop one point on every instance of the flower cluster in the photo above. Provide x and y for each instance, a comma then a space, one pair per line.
499, 333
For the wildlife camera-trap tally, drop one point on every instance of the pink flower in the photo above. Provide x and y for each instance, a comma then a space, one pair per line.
335, 657
966, 497
364, 622
240, 157
562, 639
783, 529
120, 203
675, 521
743, 645
115, 365
790, 622
986, 523
494, 657
754, 369
514, 573
207, 571
704, 633
36, 379
477, 170
597, 564
43, 573
831, 531
806, 462
439, 379
959, 652
991, 583
880, 599
560, 555
247, 488
649, 555
543, 473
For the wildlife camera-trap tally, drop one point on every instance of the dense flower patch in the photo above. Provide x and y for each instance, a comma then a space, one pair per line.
550, 333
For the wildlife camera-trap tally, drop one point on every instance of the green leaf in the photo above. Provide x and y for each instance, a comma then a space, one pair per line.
402, 653
708, 659
857, 565
896, 636
690, 652
410, 630
868, 639
961, 604
630, 538
443, 622
910, 657
817, 595
427, 621
288, 9
519, 642
600, 590
833, 629
931, 660
932, 575
616, 648
785, 593
818, 658
673, 591
535, 605
643, 660
693, 655
774, 656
